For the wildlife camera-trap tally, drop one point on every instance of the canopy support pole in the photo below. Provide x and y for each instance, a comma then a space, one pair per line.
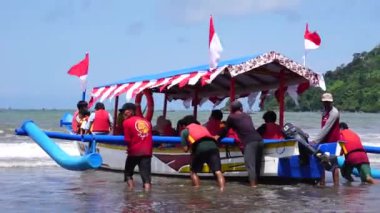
232, 90
282, 97
195, 102
115, 113
165, 105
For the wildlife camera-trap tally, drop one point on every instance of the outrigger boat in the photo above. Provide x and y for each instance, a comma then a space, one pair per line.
237, 78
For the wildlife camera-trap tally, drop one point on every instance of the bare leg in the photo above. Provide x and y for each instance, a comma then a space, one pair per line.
322, 182
147, 186
253, 183
130, 183
335, 174
220, 179
194, 177
370, 180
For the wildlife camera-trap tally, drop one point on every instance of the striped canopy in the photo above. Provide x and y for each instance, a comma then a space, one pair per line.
251, 74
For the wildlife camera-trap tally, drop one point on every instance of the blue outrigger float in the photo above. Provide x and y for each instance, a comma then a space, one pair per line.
238, 78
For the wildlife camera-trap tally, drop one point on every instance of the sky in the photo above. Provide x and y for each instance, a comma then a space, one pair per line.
40, 40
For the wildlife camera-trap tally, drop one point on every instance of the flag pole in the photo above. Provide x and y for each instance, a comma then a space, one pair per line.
304, 58
84, 95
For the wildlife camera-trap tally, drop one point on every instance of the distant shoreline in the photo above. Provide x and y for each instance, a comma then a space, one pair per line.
169, 111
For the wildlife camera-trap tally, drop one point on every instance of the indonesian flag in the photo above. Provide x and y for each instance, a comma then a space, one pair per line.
80, 70
215, 47
312, 39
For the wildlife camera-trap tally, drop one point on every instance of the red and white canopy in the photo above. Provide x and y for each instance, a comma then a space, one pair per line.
251, 75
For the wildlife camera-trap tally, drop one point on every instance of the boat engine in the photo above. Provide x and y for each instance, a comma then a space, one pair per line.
293, 132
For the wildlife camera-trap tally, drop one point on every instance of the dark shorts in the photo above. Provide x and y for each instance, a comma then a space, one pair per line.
211, 157
363, 169
144, 164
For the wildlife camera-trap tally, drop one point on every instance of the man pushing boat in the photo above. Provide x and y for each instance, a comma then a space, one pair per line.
202, 144
138, 136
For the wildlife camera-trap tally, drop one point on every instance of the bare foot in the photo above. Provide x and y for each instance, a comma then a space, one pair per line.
147, 187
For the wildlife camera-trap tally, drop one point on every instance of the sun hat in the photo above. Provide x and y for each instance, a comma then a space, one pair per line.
327, 97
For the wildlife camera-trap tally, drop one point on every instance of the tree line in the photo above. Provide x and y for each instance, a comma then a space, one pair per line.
355, 87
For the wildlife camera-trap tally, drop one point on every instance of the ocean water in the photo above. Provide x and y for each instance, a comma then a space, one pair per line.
32, 182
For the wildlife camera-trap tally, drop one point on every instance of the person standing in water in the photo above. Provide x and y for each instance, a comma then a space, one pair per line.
251, 140
138, 136
202, 144
330, 132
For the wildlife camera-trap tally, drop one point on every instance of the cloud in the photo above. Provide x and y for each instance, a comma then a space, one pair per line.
192, 11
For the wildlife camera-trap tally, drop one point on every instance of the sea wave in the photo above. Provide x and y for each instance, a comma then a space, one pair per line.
24, 162
30, 154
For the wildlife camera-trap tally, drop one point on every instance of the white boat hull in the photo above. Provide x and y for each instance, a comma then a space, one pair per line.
173, 161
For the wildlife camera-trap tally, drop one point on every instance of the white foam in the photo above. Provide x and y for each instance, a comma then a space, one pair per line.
30, 154
27, 163
32, 150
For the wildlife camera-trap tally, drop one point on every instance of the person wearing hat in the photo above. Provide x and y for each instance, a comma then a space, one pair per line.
330, 131
330, 121
138, 136
251, 140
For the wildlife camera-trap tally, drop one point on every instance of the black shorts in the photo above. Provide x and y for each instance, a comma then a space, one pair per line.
211, 157
144, 168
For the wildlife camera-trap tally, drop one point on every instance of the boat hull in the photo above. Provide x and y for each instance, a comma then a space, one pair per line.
280, 160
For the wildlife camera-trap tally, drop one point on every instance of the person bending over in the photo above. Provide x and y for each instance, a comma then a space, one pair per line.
251, 140
355, 155
202, 144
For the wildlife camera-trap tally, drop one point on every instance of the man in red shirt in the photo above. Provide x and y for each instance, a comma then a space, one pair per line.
138, 136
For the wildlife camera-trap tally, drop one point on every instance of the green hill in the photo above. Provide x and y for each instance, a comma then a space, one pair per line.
355, 86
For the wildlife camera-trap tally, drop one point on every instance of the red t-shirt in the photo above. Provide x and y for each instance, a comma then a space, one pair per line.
272, 131
138, 136
214, 126
334, 132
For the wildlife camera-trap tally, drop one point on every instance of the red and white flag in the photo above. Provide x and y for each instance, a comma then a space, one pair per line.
215, 47
80, 70
312, 39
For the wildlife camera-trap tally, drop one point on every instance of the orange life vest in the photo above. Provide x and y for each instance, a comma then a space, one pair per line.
101, 122
272, 131
196, 133
74, 122
353, 148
